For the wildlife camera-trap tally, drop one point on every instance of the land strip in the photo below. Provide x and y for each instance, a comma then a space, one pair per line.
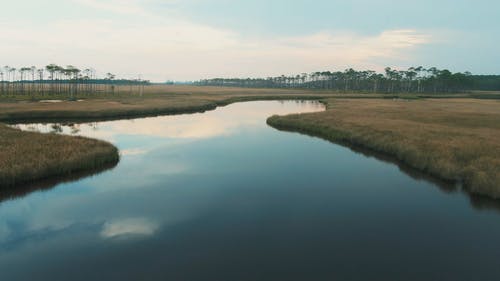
452, 139
26, 156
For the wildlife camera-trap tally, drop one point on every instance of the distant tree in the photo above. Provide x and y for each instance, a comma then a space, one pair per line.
413, 80
2, 87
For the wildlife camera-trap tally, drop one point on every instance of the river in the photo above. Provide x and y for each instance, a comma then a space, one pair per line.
222, 196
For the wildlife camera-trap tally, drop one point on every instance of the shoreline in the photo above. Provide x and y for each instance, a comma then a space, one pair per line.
21, 117
480, 182
329, 132
29, 158
91, 162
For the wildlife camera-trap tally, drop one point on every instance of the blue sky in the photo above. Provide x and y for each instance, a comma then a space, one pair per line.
193, 39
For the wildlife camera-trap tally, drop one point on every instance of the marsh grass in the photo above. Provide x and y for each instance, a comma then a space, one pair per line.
453, 139
160, 100
41, 185
126, 107
26, 156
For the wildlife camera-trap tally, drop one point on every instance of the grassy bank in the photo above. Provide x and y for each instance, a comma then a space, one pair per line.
453, 139
26, 157
159, 100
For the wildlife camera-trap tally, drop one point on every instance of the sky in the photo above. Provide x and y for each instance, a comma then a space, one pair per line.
185, 40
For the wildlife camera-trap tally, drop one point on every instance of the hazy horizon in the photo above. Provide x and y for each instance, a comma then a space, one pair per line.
195, 39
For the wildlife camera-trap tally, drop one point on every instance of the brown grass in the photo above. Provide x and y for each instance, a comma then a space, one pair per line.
157, 100
453, 139
450, 138
27, 156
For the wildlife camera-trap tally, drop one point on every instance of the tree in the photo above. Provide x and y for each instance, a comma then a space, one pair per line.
410, 75
24, 71
52, 69
67, 80
412, 80
2, 88
40, 83
110, 77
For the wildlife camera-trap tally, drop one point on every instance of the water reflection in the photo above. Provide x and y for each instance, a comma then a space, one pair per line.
189, 126
129, 227
47, 184
245, 202
144, 145
484, 203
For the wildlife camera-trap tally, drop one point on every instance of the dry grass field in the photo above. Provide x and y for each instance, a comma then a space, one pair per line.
26, 157
453, 139
156, 100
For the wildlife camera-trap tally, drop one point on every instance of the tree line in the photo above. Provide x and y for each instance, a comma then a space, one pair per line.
412, 80
487, 82
58, 80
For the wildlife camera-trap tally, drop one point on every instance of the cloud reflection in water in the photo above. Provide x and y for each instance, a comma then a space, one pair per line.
221, 122
131, 227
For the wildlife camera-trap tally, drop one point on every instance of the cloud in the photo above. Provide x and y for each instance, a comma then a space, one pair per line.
129, 227
133, 152
5, 231
169, 47
221, 122
327, 49
126, 7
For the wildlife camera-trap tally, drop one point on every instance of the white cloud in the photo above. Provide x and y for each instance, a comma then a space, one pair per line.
221, 122
129, 227
133, 152
5, 231
126, 7
169, 47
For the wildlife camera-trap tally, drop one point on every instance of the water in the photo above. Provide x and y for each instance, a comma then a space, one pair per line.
222, 196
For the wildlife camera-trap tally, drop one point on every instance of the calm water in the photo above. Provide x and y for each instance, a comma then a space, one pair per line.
221, 196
